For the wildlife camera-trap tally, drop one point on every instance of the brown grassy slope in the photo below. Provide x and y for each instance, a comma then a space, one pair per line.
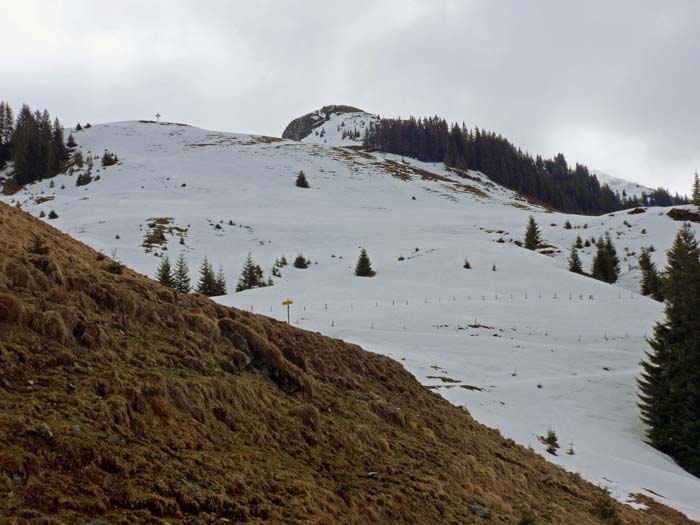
124, 401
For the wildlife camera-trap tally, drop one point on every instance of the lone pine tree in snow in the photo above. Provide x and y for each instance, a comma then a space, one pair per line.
301, 180
164, 275
695, 197
182, 275
532, 234
575, 261
363, 268
301, 262
651, 280
670, 382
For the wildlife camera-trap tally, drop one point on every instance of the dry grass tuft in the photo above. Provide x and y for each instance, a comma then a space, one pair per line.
10, 309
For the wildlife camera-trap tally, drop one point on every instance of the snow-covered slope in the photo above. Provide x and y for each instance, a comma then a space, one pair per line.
522, 343
342, 129
630, 189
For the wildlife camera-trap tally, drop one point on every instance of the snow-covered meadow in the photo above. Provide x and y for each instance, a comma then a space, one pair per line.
525, 348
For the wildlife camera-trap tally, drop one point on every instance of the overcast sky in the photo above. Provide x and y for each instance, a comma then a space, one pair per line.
612, 84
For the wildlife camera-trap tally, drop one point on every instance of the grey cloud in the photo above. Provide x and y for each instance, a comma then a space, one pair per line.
610, 84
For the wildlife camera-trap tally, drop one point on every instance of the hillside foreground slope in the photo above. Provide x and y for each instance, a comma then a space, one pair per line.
124, 401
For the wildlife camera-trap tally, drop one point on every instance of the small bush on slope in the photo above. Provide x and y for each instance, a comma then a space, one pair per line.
121, 400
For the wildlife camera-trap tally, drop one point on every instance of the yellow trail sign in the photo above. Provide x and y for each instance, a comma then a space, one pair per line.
287, 303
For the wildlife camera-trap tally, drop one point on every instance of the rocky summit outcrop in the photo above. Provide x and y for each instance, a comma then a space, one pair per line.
301, 127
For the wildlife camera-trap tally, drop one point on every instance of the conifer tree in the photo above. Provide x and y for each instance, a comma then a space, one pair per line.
606, 264
532, 234
650, 281
613, 262
251, 276
575, 262
301, 262
6, 133
301, 180
695, 197
579, 242
109, 159
221, 288
207, 279
599, 269
669, 387
58, 151
363, 268
164, 275
71, 143
182, 275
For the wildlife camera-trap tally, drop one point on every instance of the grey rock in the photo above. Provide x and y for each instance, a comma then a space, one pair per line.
480, 511
301, 127
43, 431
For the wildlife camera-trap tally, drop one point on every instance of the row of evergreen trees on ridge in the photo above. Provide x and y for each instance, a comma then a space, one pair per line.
34, 142
551, 181
213, 283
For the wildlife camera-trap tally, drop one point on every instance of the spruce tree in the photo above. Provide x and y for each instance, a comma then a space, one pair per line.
251, 276
221, 288
613, 262
182, 275
363, 268
575, 262
58, 150
606, 264
532, 234
695, 197
301, 262
669, 387
301, 180
6, 133
164, 275
207, 279
579, 242
650, 281
599, 268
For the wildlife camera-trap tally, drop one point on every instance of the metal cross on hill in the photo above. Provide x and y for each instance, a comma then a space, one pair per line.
157, 117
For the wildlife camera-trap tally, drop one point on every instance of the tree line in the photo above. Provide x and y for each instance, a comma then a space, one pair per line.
34, 142
211, 283
550, 181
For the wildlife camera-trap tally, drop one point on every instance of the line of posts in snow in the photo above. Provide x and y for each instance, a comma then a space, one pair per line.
496, 297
